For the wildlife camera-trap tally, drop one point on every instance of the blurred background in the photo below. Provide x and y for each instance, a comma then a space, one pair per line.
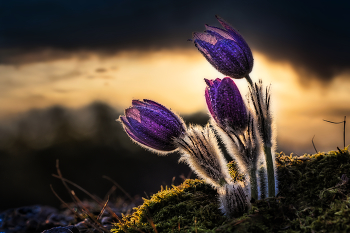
68, 69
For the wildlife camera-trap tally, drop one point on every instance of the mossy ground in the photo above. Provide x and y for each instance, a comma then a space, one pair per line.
314, 196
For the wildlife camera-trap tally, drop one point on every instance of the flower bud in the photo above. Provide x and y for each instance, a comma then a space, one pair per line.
233, 200
152, 125
225, 49
225, 104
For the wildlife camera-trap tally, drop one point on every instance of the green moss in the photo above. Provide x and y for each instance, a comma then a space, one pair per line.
312, 198
190, 207
233, 170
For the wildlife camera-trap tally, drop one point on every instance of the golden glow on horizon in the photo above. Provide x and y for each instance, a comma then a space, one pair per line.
175, 79
169, 77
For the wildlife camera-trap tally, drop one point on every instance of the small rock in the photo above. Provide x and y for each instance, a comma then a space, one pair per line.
106, 220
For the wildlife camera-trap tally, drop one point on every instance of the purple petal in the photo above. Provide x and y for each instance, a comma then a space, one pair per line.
207, 50
137, 136
207, 37
240, 67
210, 83
133, 113
166, 113
139, 140
209, 102
239, 39
124, 121
161, 120
230, 105
230, 59
215, 31
152, 137
155, 105
216, 82
138, 103
156, 111
226, 56
211, 95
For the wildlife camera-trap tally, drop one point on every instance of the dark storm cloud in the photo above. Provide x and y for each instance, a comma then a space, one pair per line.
313, 35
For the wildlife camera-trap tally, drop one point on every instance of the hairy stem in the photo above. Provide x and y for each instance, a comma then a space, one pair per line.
270, 171
249, 80
253, 183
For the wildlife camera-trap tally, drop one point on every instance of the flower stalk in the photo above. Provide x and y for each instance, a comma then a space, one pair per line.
245, 150
261, 106
253, 182
270, 171
249, 80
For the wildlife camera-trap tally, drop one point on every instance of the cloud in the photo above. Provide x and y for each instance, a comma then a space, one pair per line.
68, 75
58, 90
312, 35
100, 70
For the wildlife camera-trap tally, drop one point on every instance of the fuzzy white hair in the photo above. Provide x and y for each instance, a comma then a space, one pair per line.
200, 150
233, 200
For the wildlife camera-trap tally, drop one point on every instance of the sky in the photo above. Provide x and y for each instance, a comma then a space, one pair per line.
72, 53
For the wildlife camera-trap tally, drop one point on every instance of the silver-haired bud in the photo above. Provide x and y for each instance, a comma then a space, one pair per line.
199, 149
259, 97
245, 148
260, 102
233, 200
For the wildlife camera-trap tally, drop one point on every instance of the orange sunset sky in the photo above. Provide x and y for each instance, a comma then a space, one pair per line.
174, 77
74, 53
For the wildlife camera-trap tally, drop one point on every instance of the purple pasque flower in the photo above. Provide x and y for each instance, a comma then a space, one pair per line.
152, 125
225, 49
225, 104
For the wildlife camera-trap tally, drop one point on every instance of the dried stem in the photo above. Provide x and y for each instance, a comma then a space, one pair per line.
116, 184
91, 216
86, 192
314, 143
340, 122
104, 207
64, 203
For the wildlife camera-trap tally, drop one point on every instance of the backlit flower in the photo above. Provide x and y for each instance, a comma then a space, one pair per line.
225, 104
152, 125
225, 49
